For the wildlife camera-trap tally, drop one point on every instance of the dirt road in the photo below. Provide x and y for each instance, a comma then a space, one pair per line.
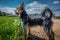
38, 33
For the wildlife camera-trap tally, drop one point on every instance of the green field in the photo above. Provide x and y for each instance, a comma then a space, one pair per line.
9, 27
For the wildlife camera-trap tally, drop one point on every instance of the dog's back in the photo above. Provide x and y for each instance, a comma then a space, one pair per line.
35, 21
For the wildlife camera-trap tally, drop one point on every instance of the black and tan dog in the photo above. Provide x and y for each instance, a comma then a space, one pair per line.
36, 21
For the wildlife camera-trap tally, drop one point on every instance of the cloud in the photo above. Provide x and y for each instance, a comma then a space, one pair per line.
7, 10
56, 2
31, 8
35, 7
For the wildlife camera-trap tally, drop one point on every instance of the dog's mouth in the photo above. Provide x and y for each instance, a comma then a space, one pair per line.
18, 12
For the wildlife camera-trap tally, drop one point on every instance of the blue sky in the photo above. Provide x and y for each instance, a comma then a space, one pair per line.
10, 5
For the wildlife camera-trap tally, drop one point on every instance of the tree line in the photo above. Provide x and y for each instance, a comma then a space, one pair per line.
6, 14
3, 13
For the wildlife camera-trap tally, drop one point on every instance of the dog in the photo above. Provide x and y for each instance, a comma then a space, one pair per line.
36, 21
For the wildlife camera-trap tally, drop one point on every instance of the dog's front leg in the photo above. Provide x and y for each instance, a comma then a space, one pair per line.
25, 33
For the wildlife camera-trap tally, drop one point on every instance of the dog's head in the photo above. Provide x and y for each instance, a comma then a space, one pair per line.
19, 9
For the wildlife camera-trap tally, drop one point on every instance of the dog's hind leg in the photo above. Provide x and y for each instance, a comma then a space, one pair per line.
26, 31
51, 36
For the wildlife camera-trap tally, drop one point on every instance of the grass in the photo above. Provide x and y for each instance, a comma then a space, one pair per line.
9, 28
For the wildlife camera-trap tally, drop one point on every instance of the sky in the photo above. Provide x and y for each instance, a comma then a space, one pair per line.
31, 6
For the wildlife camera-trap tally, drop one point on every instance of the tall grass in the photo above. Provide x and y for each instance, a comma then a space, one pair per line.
11, 28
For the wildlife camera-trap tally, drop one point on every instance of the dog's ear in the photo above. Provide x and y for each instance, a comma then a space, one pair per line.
21, 6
